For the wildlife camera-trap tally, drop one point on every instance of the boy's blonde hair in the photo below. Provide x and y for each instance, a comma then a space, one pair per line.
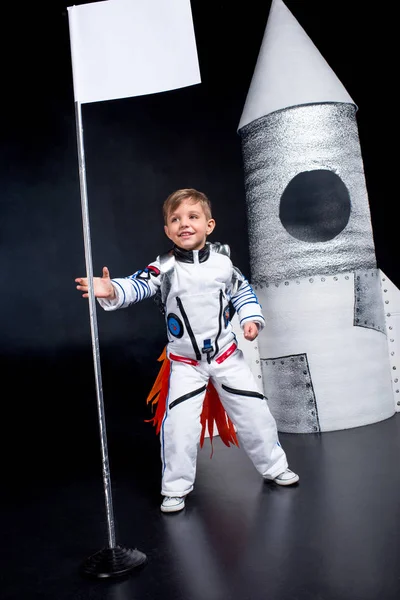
176, 198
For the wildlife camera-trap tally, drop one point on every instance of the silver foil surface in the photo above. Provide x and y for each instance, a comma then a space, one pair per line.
368, 303
278, 148
290, 393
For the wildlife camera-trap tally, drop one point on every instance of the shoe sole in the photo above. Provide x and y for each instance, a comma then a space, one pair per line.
287, 482
168, 509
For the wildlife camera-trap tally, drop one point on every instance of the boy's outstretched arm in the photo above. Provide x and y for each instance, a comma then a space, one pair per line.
102, 286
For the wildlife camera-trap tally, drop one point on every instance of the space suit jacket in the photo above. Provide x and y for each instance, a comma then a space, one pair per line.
195, 289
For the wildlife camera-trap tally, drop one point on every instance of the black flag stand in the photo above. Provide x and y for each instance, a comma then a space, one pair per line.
114, 560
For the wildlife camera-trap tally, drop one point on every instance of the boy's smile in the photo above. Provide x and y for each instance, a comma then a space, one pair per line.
188, 226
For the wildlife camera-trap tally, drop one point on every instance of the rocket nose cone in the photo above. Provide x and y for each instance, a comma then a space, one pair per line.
290, 70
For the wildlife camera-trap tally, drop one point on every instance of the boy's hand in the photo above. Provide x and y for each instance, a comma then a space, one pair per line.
102, 286
250, 331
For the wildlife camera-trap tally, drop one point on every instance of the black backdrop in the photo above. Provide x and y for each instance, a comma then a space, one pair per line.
138, 150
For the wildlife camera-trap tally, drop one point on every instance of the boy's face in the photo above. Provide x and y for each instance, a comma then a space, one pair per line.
188, 226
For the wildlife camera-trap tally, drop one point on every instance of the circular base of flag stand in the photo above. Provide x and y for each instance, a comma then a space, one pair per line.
113, 562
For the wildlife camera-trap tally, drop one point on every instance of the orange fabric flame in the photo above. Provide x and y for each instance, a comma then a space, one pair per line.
213, 414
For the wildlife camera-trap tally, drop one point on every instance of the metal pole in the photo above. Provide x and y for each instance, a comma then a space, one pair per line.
93, 327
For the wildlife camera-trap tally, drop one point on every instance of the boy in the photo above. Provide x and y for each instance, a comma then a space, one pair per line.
196, 281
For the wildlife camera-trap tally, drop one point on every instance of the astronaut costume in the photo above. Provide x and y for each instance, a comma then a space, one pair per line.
195, 288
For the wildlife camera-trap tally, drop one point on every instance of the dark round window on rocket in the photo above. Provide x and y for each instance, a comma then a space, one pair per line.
315, 206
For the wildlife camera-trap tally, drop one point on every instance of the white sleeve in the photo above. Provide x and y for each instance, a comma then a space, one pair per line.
245, 301
135, 288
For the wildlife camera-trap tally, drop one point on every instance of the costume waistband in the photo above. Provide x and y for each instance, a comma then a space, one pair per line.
191, 361
220, 359
184, 359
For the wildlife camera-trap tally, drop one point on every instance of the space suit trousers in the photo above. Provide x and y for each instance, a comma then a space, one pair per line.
244, 403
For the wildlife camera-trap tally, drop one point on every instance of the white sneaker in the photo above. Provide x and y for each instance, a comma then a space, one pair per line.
286, 478
172, 504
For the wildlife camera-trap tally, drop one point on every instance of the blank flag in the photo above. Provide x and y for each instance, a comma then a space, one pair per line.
123, 48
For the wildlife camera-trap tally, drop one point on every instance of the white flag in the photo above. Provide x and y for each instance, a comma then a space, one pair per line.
122, 48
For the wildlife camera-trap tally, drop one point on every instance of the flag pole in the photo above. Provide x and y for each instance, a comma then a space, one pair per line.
114, 560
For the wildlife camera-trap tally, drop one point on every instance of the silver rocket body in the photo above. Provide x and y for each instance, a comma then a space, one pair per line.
324, 351
321, 143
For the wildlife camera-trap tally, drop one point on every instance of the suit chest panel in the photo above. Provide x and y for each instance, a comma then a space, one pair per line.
192, 279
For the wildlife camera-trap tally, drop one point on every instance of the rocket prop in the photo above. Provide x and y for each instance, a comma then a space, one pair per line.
327, 358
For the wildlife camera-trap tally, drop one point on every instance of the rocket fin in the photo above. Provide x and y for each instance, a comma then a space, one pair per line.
391, 299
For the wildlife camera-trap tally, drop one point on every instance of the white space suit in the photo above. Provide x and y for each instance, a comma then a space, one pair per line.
196, 288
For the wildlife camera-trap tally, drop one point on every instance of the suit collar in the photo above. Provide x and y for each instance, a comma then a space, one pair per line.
187, 256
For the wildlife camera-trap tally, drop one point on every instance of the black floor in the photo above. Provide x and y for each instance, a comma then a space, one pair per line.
335, 536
